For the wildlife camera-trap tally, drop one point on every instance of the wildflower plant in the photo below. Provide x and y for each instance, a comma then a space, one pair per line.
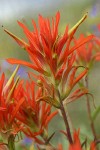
58, 63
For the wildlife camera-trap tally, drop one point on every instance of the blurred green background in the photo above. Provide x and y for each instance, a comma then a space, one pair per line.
71, 11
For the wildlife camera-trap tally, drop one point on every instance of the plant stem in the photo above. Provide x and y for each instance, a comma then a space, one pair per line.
69, 137
11, 142
89, 112
91, 120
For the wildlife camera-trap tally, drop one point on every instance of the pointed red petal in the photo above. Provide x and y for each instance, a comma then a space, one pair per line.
80, 76
50, 117
2, 83
87, 39
17, 108
21, 62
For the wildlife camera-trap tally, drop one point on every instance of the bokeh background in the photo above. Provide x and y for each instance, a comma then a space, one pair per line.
71, 11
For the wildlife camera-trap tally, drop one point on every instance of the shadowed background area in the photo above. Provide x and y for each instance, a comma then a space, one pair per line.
71, 11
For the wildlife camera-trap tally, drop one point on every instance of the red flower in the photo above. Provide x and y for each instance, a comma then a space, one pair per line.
88, 52
9, 105
33, 114
52, 56
97, 49
77, 144
46, 47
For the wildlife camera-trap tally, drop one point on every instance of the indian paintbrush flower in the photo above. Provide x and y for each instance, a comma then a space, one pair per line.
52, 56
34, 115
46, 47
88, 53
9, 105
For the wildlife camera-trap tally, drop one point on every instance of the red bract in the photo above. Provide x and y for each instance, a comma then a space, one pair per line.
88, 52
33, 114
64, 81
77, 144
97, 48
48, 51
9, 105
93, 146
60, 147
53, 56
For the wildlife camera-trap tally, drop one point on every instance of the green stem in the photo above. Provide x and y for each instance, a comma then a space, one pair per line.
11, 142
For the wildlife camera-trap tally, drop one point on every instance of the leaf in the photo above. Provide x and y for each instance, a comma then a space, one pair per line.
50, 100
11, 79
75, 95
18, 40
95, 113
12, 90
74, 28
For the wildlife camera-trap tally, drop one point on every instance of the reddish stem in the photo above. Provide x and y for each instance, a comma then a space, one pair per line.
89, 112
69, 137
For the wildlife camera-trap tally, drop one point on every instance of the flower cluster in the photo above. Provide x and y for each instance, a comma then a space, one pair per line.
59, 62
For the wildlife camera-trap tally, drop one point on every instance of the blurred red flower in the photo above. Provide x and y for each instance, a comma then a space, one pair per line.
9, 106
53, 56
48, 51
77, 144
89, 52
33, 114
